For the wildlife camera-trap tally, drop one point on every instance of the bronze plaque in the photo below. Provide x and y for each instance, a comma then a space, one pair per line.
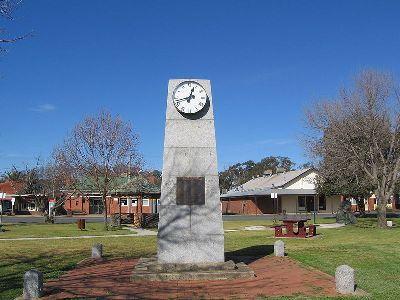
190, 191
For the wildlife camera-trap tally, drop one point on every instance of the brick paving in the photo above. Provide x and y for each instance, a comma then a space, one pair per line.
110, 279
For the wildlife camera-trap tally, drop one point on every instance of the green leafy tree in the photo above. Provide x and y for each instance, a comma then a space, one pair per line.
13, 175
240, 173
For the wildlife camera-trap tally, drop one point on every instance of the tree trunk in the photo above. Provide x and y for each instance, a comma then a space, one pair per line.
105, 211
381, 201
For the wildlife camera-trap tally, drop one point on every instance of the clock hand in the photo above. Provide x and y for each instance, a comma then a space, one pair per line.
191, 96
182, 99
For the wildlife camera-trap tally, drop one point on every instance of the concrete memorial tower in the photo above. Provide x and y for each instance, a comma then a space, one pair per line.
190, 229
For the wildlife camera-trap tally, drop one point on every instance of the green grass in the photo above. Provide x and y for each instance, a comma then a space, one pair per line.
52, 230
374, 253
54, 257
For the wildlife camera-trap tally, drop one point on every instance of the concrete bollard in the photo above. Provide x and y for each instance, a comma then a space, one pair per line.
97, 251
344, 278
279, 248
33, 284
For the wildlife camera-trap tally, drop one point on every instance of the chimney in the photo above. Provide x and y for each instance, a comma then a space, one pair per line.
280, 170
151, 179
267, 172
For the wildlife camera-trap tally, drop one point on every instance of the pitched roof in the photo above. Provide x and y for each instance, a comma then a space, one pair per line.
270, 182
11, 187
263, 192
123, 184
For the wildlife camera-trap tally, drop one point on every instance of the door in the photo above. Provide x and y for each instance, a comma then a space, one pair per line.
96, 206
267, 205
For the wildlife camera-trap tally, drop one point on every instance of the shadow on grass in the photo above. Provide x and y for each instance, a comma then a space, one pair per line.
373, 215
249, 254
11, 274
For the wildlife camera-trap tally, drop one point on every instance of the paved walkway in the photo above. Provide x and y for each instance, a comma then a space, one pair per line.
110, 279
143, 232
331, 225
140, 232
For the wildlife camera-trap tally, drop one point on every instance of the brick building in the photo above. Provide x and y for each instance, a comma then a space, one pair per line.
14, 201
128, 195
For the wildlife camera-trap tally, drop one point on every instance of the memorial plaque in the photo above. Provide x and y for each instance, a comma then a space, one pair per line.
190, 190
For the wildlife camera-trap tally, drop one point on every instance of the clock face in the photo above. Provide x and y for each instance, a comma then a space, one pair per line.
189, 97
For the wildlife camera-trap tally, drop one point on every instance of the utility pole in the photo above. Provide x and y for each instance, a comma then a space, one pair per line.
129, 166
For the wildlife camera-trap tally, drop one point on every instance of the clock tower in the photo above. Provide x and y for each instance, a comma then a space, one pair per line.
190, 228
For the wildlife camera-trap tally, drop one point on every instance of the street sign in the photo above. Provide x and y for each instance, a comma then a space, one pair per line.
52, 202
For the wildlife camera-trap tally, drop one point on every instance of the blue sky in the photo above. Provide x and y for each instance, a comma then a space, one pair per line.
267, 61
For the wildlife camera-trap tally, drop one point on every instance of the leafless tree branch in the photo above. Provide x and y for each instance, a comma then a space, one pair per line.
356, 138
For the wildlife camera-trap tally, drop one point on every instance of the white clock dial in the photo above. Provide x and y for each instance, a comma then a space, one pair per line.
189, 97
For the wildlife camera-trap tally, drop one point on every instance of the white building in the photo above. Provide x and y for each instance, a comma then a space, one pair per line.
295, 192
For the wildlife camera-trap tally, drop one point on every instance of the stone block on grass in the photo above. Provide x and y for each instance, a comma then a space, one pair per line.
279, 248
344, 278
97, 251
33, 284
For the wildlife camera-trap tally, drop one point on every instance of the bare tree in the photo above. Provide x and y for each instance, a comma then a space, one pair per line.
357, 137
95, 151
37, 185
7, 8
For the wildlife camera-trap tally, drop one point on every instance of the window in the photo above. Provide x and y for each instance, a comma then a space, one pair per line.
123, 201
134, 201
301, 200
31, 206
146, 202
322, 202
306, 203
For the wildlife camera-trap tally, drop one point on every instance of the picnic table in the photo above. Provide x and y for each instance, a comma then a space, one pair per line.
292, 223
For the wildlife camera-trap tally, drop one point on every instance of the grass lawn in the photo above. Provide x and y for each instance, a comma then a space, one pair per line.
374, 253
52, 230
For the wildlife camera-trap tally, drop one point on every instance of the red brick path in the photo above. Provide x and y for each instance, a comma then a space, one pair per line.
109, 279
